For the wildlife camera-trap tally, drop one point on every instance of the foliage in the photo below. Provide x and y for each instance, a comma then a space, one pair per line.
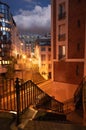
11, 67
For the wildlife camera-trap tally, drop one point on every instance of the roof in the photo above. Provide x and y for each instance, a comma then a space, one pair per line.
44, 41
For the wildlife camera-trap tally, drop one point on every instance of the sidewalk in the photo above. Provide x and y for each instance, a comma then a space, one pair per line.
7, 123
5, 120
28, 124
42, 125
25, 118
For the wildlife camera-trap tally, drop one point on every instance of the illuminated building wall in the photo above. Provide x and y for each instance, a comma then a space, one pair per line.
16, 41
5, 34
43, 54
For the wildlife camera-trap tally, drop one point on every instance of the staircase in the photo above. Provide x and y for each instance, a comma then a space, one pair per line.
37, 78
31, 94
79, 95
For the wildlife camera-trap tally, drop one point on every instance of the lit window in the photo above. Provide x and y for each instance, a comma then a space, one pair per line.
6, 62
0, 62
2, 45
3, 62
1, 28
62, 52
3, 19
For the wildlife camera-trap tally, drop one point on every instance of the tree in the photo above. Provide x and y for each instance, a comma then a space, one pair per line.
11, 67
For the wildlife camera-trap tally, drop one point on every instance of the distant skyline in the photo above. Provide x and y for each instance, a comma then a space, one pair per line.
31, 16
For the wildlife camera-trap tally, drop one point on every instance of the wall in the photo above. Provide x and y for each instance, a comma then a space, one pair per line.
67, 72
76, 33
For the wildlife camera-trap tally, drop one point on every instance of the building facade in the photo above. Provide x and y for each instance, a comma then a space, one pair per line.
68, 40
10, 43
43, 55
5, 33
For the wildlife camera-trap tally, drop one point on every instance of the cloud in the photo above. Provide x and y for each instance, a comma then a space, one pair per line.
34, 21
33, 1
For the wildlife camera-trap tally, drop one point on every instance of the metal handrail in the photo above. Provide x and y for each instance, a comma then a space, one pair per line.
80, 86
69, 105
56, 105
79, 90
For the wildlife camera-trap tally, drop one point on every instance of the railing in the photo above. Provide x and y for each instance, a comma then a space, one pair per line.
62, 16
61, 37
69, 105
7, 95
84, 100
79, 92
84, 80
17, 96
49, 103
61, 57
30, 94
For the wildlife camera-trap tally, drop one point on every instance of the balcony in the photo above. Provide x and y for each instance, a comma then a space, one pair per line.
62, 16
61, 37
61, 57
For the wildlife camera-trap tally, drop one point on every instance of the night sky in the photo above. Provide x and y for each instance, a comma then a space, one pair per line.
31, 16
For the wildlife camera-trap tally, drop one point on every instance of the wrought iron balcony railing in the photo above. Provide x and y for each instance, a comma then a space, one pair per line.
62, 16
61, 37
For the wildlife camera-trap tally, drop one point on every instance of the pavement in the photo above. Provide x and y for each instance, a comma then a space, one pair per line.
42, 125
8, 119
7, 122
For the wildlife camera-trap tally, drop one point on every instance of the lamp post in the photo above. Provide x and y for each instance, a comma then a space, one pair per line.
17, 100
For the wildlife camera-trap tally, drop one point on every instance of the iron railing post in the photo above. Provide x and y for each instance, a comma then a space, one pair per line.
18, 100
